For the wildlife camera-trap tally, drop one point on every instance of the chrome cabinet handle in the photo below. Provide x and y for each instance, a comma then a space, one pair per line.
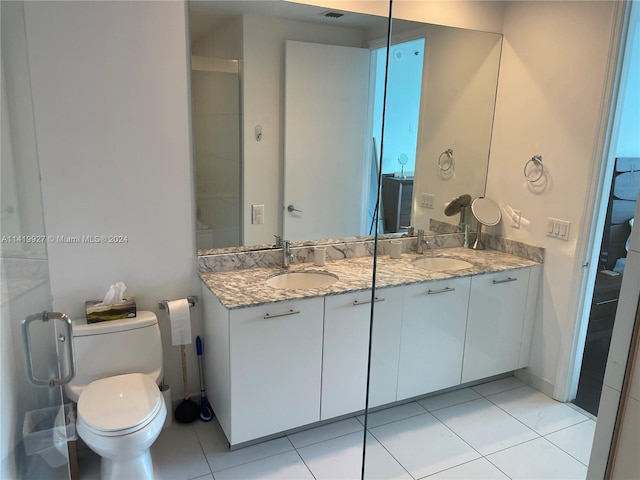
365, 302
281, 314
506, 280
64, 338
442, 290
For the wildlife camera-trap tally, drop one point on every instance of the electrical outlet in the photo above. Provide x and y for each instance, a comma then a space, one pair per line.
426, 200
516, 216
257, 214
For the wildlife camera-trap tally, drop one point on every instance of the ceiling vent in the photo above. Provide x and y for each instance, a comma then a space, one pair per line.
332, 15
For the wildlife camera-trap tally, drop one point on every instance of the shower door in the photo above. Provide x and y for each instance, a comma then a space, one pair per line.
33, 432
215, 91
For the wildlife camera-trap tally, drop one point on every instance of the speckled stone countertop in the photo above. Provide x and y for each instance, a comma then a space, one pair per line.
246, 288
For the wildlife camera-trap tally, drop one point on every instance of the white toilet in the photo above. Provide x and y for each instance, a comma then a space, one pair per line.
120, 408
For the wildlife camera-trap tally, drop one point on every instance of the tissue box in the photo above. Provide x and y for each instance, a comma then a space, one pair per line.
116, 311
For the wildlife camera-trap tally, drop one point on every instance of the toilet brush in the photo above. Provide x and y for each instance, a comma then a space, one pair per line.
188, 410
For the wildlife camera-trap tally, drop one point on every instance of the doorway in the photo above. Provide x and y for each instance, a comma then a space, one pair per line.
613, 220
618, 222
402, 116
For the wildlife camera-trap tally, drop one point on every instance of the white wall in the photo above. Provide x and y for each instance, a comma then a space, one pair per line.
549, 101
111, 104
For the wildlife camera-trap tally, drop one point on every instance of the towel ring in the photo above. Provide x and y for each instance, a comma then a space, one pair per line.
446, 164
537, 162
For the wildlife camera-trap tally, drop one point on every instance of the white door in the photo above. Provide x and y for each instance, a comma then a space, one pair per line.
434, 318
326, 99
497, 306
346, 348
275, 353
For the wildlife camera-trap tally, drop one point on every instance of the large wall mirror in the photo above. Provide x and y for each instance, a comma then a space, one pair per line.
288, 128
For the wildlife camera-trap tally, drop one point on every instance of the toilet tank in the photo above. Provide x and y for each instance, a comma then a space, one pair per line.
115, 347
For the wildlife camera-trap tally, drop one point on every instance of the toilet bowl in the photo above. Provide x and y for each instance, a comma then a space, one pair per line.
119, 418
120, 409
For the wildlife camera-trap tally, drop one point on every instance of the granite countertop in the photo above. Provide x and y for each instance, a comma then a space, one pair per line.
247, 287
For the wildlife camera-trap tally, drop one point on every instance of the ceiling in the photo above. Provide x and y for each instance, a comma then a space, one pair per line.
206, 15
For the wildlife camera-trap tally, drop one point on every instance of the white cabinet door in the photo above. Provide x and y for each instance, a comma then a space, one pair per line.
433, 328
346, 349
276, 367
494, 325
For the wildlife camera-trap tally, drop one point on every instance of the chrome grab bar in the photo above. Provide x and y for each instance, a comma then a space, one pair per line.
64, 338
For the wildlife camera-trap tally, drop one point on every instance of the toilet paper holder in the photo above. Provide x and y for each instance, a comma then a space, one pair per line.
192, 299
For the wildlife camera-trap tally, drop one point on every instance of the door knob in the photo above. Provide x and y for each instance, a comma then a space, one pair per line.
291, 208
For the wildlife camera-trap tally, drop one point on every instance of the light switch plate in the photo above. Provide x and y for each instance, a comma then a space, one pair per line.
426, 200
558, 228
257, 214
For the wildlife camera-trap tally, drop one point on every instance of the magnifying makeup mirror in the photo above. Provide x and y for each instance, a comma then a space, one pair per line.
487, 213
458, 205
402, 160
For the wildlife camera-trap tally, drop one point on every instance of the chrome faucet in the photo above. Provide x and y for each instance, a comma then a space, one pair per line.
421, 242
287, 256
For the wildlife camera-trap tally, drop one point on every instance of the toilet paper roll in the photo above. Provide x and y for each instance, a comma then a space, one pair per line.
166, 394
180, 318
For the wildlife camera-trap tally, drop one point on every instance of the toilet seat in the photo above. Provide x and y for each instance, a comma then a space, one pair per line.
119, 405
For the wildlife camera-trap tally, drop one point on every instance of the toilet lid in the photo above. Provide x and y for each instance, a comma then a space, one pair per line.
120, 402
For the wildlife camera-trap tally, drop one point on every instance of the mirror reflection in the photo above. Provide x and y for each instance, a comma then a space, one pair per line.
287, 120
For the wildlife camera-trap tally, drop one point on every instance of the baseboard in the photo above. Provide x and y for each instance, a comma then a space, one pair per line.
539, 383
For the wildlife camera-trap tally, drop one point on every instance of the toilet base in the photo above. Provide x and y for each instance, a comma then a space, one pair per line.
139, 467
124, 456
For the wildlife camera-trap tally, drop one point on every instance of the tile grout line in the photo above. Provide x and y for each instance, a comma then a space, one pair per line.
568, 453
531, 428
195, 431
305, 463
390, 454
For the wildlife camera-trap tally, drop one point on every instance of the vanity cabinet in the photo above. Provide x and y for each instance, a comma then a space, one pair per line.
283, 365
433, 329
346, 350
495, 323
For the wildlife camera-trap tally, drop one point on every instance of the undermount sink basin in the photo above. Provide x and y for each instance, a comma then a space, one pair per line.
441, 263
301, 280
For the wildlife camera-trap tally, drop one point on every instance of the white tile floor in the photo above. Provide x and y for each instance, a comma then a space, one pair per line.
501, 429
